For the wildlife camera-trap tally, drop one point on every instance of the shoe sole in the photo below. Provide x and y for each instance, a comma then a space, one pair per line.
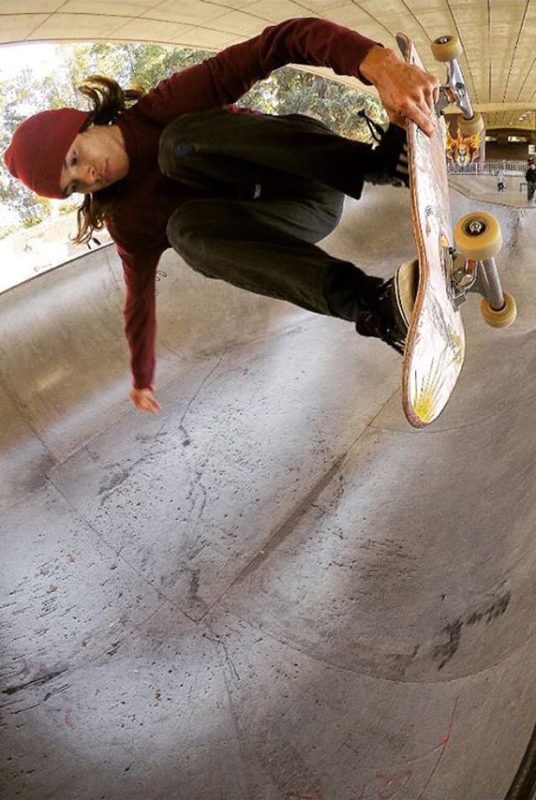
405, 285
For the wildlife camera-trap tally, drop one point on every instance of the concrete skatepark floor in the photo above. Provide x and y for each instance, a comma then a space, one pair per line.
275, 589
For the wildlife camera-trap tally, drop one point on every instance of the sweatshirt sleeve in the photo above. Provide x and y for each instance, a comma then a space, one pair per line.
225, 77
140, 313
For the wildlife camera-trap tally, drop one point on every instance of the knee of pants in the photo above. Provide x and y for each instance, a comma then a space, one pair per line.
181, 229
185, 237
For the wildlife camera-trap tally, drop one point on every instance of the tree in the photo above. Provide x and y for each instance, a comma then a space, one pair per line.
293, 91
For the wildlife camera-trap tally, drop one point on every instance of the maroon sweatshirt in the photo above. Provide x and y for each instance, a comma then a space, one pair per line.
146, 199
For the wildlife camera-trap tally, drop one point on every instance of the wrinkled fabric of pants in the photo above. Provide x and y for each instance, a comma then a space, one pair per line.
274, 187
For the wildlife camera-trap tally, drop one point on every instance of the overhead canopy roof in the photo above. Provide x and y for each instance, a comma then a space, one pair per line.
497, 35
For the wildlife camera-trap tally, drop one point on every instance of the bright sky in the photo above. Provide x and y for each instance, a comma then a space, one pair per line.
26, 253
15, 57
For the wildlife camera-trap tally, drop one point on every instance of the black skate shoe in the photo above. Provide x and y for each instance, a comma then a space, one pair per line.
389, 315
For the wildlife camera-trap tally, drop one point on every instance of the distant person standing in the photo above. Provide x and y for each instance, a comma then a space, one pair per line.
530, 177
500, 181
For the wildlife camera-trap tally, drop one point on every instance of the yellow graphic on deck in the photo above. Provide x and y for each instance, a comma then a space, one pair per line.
428, 392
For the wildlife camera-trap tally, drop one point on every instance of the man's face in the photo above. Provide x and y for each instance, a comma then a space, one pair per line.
96, 158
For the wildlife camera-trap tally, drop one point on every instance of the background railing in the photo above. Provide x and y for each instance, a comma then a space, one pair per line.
489, 168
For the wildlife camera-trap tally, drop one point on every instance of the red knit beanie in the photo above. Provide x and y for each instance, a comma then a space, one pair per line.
39, 146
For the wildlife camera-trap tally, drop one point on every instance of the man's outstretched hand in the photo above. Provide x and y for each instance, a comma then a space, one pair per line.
406, 91
144, 399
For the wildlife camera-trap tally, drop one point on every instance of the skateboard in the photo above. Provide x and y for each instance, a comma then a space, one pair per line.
452, 260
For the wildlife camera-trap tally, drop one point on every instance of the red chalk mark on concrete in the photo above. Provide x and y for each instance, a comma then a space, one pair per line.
442, 747
390, 784
386, 786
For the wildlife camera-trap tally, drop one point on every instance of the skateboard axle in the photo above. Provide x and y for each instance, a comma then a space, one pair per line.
488, 278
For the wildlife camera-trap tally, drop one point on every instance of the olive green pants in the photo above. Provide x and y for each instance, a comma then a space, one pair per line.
274, 187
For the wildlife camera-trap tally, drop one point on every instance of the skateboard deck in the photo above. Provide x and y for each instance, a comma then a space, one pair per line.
435, 346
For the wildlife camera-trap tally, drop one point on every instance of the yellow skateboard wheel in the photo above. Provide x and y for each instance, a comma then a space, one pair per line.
478, 236
502, 318
471, 127
446, 48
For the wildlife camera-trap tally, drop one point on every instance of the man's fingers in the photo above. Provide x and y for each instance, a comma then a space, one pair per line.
421, 102
419, 112
406, 90
425, 121
150, 404
144, 400
434, 98
146, 407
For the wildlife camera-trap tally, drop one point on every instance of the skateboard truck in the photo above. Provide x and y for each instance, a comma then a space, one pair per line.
447, 49
478, 240
471, 266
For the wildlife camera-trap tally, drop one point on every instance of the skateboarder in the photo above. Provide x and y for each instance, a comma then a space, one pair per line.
530, 177
241, 196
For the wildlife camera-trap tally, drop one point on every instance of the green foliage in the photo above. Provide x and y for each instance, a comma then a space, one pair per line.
293, 91
18, 98
287, 91
68, 207
31, 222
